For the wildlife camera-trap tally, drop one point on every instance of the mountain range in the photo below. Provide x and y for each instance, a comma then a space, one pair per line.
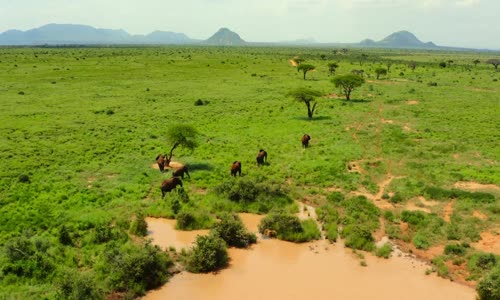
73, 34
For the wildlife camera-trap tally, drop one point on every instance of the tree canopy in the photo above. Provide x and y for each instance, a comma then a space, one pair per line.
494, 61
380, 71
305, 68
308, 97
347, 83
181, 135
332, 67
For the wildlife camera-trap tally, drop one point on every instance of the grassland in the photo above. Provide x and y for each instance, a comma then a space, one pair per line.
80, 128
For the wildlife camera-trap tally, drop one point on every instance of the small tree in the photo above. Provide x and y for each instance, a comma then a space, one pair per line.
475, 62
305, 68
308, 97
380, 71
494, 61
181, 135
362, 58
442, 64
332, 67
412, 65
348, 83
388, 64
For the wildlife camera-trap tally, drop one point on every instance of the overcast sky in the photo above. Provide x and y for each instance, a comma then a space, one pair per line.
462, 23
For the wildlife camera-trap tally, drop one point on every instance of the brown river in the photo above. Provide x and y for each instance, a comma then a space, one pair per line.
274, 269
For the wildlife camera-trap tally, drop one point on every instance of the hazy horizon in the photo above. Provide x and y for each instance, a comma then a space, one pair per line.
455, 23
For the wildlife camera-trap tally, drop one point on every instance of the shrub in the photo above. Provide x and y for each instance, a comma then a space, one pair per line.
331, 231
455, 249
421, 241
442, 269
64, 237
358, 237
139, 226
254, 194
389, 216
73, 285
415, 218
289, 227
489, 287
23, 178
233, 232
335, 197
208, 254
188, 220
384, 251
134, 268
432, 83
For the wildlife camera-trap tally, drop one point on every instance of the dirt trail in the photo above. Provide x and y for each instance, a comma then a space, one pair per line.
293, 63
489, 242
448, 211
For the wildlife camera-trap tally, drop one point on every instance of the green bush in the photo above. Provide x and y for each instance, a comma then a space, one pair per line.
209, 254
189, 220
455, 249
331, 231
442, 269
358, 237
73, 285
489, 287
134, 268
415, 218
384, 251
421, 241
289, 227
139, 226
233, 232
335, 197
254, 194
444, 194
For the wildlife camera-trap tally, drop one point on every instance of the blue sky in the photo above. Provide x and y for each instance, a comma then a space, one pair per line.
462, 23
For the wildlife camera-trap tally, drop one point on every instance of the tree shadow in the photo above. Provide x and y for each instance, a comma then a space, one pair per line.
319, 118
355, 101
200, 167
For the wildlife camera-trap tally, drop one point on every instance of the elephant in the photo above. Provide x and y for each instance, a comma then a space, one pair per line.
305, 140
169, 184
160, 160
261, 157
181, 171
236, 168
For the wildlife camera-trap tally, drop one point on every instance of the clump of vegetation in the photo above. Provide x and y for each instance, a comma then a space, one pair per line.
456, 249
442, 269
77, 285
233, 232
139, 226
289, 227
192, 220
254, 195
438, 193
201, 102
360, 220
489, 287
384, 251
208, 254
135, 268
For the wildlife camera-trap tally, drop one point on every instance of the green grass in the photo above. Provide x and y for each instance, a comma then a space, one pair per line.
81, 127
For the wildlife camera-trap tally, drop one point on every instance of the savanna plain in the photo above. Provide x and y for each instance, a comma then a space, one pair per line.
411, 159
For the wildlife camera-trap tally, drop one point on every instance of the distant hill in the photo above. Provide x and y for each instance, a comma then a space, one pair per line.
225, 37
400, 39
60, 34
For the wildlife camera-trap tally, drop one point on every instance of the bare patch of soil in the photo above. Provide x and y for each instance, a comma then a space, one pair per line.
383, 82
412, 102
293, 63
476, 187
489, 242
355, 167
456, 156
384, 121
448, 211
172, 165
420, 204
479, 215
380, 233
333, 189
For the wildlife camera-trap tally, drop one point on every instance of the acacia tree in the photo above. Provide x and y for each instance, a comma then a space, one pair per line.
181, 135
475, 62
347, 83
380, 71
388, 64
308, 97
494, 61
305, 68
332, 67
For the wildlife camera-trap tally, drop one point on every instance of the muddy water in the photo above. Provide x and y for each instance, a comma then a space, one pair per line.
274, 269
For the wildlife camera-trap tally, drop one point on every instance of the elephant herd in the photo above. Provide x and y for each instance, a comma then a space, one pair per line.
169, 184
